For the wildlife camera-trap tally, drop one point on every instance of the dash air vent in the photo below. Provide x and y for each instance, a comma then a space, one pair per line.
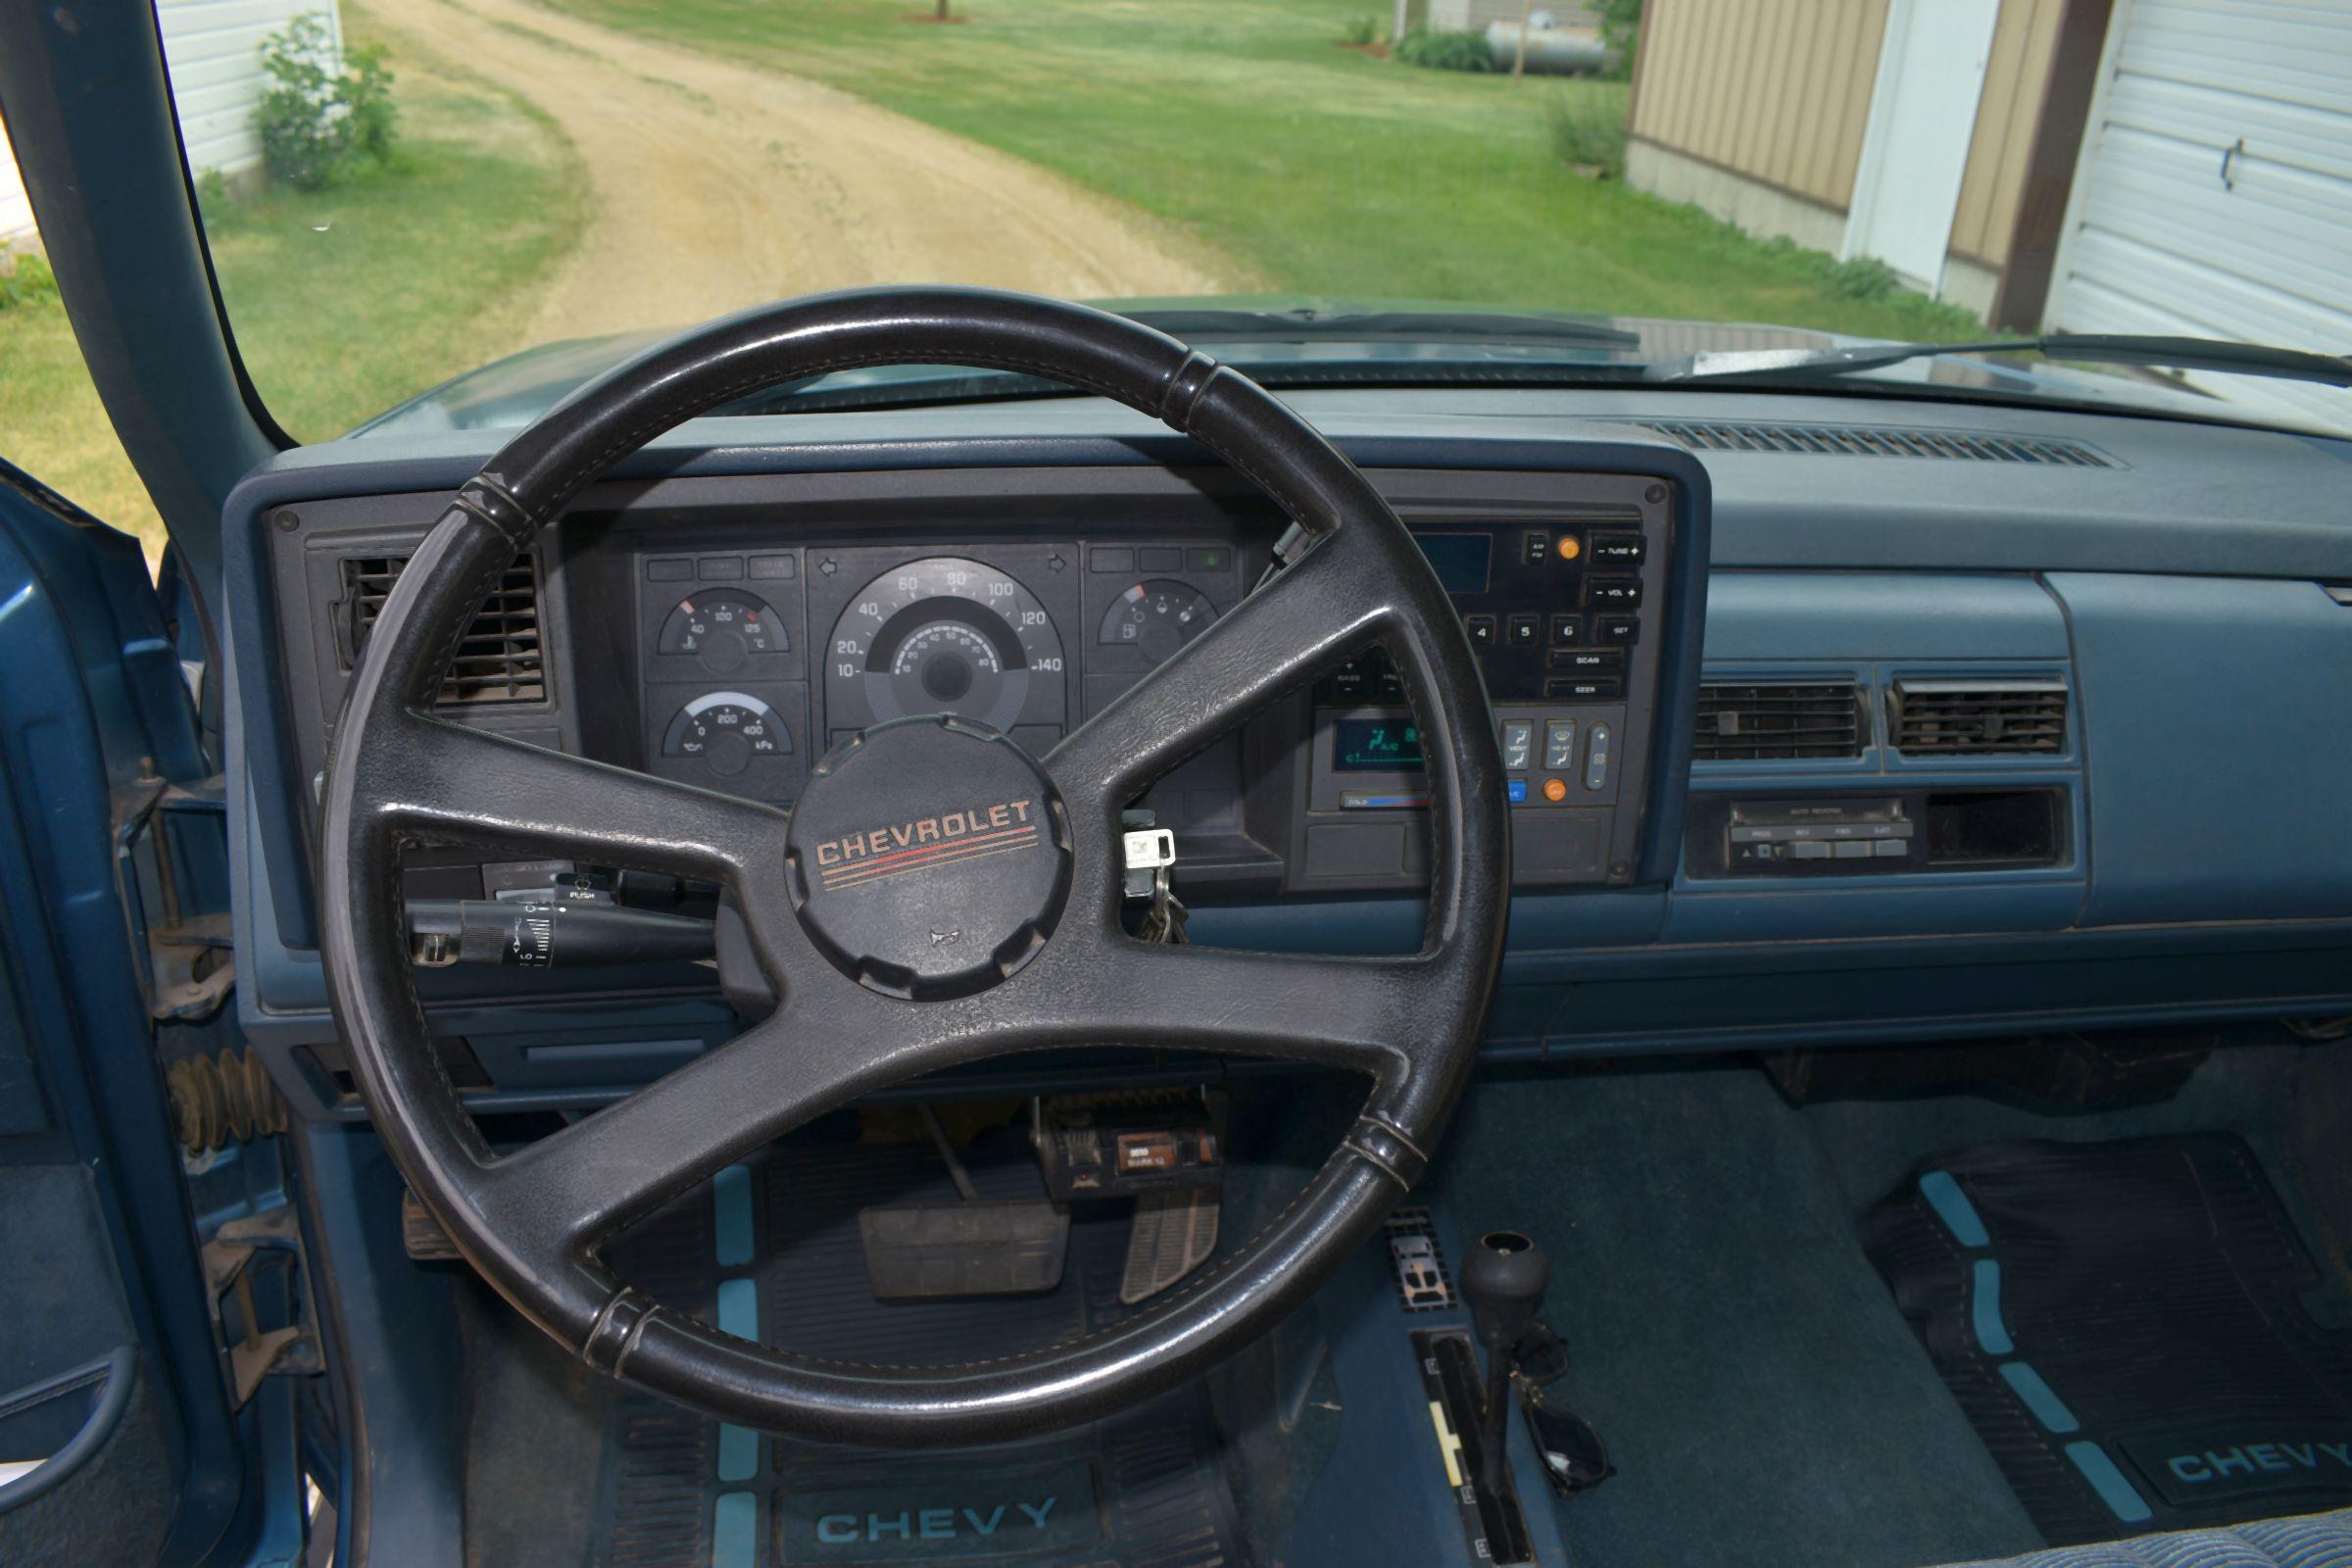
1976, 718
1862, 441
498, 660
1778, 721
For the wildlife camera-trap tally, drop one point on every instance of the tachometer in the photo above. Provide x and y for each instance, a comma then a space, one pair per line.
944, 635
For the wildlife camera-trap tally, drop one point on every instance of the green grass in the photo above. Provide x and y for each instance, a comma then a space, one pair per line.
348, 300
1322, 169
345, 301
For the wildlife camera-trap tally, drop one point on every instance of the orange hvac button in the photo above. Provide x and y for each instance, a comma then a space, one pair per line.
1555, 790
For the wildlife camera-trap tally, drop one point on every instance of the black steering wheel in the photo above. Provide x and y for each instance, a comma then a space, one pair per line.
917, 829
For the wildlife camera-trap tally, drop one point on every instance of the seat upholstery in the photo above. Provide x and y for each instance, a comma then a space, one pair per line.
2312, 1541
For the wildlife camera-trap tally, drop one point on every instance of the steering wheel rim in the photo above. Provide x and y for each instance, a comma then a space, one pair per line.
531, 1221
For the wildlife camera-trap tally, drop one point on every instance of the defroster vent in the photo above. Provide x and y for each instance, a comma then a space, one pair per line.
1777, 719
1868, 441
498, 660
1978, 718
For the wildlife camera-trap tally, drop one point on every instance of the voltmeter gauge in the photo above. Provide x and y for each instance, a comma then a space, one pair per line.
1157, 618
728, 731
727, 626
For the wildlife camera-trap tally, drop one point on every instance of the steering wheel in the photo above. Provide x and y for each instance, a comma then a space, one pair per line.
917, 829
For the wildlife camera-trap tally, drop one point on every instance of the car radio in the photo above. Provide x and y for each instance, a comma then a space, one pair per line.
1556, 608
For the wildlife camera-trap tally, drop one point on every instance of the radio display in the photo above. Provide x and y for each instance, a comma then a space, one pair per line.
1461, 560
1375, 746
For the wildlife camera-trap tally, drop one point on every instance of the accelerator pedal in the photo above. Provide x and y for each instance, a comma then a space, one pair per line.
1175, 1230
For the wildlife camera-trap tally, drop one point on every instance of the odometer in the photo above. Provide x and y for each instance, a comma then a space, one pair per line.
944, 635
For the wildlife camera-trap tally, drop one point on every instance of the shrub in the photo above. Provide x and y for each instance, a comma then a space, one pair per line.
1620, 30
1444, 51
1862, 277
323, 114
1587, 130
24, 279
1360, 32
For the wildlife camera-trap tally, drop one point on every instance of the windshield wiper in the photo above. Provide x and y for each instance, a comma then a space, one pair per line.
2086, 348
1305, 324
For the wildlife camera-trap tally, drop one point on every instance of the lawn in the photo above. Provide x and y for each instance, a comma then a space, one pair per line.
1326, 169
344, 301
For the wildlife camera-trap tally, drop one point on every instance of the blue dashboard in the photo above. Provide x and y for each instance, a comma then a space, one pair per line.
2172, 843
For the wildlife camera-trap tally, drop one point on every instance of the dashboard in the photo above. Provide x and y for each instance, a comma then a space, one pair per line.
1821, 719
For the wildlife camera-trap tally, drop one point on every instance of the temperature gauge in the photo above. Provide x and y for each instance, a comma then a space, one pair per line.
728, 731
726, 628
1157, 618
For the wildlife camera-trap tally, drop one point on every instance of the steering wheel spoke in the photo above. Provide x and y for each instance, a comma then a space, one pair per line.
1313, 613
454, 784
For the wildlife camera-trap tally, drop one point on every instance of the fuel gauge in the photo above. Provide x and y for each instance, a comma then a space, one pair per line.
1157, 618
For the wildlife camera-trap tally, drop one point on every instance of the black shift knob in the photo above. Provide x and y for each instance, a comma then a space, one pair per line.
1503, 1280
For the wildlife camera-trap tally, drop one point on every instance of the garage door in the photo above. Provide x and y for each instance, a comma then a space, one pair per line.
2213, 195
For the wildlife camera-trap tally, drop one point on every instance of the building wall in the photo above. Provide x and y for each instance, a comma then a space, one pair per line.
1776, 91
2016, 77
16, 213
215, 51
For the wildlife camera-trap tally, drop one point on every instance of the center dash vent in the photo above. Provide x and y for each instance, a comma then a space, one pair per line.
1777, 720
1864, 441
498, 660
1976, 718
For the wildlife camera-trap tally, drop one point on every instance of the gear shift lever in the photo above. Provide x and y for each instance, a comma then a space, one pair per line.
1503, 1280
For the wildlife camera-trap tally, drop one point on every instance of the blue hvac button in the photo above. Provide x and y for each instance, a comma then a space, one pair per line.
1518, 791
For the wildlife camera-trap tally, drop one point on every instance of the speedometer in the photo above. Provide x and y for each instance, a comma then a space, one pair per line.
944, 635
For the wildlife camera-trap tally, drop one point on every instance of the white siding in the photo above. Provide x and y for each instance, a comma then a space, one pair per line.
2157, 242
215, 51
16, 213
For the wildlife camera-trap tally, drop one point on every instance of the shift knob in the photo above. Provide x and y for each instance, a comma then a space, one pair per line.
1503, 1280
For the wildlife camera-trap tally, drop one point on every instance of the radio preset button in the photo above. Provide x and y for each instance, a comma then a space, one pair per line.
1567, 631
1525, 630
1481, 630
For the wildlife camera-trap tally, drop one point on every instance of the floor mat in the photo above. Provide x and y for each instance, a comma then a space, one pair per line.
2134, 1329
772, 1252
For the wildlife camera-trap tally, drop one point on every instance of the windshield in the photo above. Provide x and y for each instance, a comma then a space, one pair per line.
400, 192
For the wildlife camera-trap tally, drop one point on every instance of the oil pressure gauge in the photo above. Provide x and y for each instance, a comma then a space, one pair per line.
727, 731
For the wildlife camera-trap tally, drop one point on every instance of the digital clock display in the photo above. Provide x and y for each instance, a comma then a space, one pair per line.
1376, 746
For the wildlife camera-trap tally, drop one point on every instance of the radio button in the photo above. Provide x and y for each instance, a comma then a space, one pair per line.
1586, 660
1567, 631
1525, 630
1617, 631
1619, 549
1586, 688
1613, 593
1481, 630
1534, 546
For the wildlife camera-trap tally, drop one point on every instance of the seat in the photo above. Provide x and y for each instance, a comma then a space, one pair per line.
2311, 1540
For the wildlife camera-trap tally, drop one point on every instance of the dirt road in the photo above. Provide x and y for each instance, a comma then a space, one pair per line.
718, 185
